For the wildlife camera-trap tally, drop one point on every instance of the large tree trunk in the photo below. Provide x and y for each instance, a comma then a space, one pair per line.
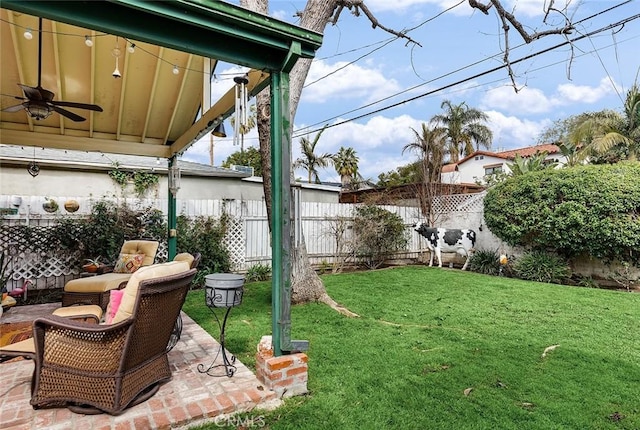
305, 282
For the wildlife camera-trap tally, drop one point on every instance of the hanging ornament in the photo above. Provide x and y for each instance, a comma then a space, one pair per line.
241, 111
116, 53
33, 167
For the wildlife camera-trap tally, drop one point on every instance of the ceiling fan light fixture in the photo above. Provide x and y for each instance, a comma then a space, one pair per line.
88, 41
38, 111
27, 34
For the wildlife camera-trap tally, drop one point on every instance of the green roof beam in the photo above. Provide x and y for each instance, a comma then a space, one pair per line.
211, 29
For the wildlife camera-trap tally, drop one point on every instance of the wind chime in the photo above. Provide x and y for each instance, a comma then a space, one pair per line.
241, 119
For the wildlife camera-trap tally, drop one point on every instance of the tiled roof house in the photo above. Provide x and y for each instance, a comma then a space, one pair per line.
473, 168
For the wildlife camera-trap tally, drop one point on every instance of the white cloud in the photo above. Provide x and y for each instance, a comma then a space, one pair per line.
352, 81
527, 100
378, 143
584, 93
530, 100
511, 132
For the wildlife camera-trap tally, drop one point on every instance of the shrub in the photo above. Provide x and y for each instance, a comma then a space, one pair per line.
204, 235
593, 210
541, 266
258, 272
485, 261
104, 231
378, 233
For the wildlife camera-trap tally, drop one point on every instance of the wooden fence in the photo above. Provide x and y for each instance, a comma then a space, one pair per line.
247, 237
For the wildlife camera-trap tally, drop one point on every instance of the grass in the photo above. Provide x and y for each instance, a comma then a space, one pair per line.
426, 335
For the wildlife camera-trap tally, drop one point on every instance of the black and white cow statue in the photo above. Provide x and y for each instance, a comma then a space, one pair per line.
447, 240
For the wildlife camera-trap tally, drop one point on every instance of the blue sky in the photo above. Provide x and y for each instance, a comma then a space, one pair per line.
359, 66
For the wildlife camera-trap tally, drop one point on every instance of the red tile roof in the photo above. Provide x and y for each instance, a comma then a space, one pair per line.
531, 150
527, 151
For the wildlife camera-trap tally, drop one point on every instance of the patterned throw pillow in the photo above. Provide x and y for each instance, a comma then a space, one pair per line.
128, 263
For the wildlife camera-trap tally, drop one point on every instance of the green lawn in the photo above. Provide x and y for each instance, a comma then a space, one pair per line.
425, 335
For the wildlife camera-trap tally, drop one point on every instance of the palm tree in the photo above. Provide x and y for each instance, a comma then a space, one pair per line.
608, 130
431, 146
572, 153
464, 126
345, 162
309, 160
534, 163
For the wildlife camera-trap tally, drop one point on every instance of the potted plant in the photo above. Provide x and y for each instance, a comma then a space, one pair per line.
92, 264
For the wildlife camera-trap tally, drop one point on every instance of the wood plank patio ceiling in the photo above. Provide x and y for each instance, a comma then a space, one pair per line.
149, 104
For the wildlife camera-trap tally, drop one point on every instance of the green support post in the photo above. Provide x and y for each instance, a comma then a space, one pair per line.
172, 235
280, 254
282, 213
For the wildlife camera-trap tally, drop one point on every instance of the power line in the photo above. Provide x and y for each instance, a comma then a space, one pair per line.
385, 43
446, 74
502, 66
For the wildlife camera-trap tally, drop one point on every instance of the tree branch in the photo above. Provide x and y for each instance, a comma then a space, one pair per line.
528, 38
509, 20
355, 6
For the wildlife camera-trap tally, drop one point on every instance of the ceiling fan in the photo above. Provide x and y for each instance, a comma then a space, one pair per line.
39, 103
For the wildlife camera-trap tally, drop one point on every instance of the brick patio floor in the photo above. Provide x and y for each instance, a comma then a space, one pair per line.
188, 399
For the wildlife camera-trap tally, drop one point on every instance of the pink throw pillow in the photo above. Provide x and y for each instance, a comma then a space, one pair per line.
115, 298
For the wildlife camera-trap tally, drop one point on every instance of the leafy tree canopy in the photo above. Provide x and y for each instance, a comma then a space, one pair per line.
591, 210
248, 157
402, 175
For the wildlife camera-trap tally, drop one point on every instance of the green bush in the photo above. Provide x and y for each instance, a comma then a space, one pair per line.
258, 272
105, 230
541, 266
204, 235
485, 261
378, 233
593, 210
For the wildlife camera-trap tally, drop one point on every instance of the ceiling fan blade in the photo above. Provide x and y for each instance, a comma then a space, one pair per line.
72, 116
47, 95
15, 97
16, 108
76, 105
31, 93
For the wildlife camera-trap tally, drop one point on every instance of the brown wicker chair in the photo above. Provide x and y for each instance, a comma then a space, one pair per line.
107, 368
94, 290
194, 261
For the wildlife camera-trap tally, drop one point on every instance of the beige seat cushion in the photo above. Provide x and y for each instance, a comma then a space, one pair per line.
146, 247
26, 346
96, 284
148, 272
79, 312
184, 256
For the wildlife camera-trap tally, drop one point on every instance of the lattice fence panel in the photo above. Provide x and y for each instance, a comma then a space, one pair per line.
32, 256
234, 241
459, 203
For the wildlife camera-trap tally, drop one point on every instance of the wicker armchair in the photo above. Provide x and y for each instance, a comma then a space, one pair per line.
107, 368
94, 290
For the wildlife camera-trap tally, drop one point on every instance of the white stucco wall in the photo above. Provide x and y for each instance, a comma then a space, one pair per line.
473, 169
15, 180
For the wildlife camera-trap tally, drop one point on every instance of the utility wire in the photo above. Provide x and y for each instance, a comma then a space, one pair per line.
477, 75
385, 43
499, 54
